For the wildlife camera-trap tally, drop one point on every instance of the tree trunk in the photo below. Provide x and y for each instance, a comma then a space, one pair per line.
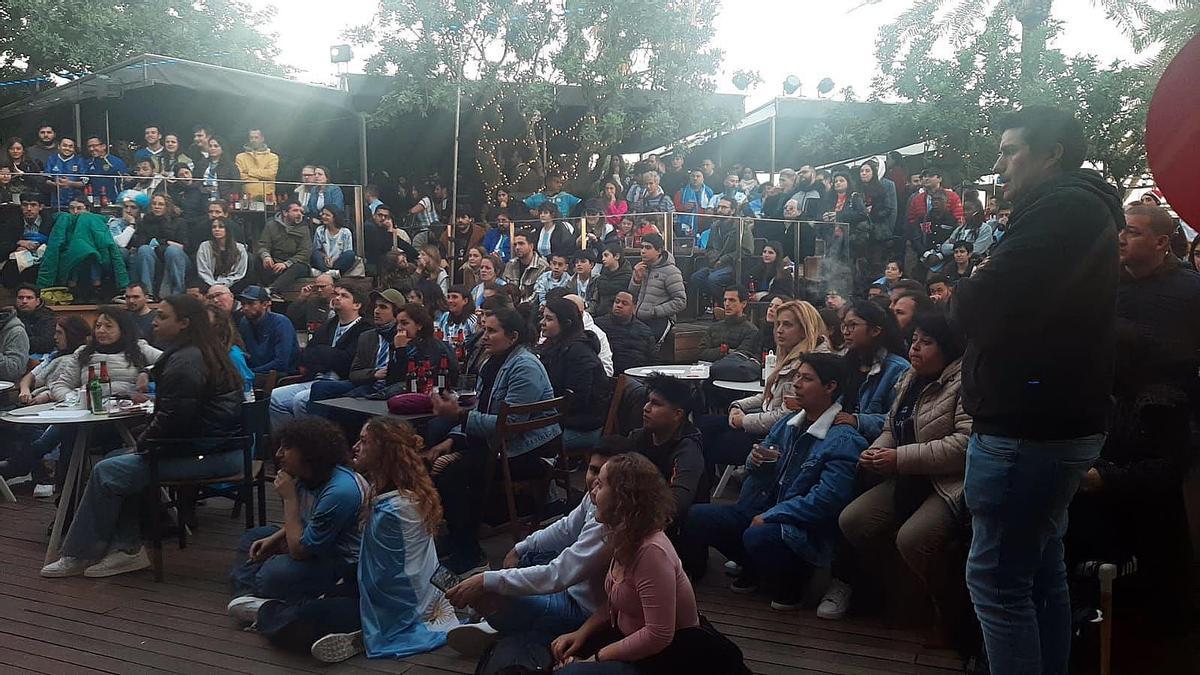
1032, 14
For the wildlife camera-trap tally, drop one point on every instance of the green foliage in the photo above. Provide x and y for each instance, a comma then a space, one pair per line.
76, 36
642, 70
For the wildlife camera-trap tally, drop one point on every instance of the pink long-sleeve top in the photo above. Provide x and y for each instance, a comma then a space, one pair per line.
652, 599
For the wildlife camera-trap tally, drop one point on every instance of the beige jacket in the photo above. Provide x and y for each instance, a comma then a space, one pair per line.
759, 418
942, 432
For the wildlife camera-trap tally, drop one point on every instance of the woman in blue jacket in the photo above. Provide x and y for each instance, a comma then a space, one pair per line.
785, 521
873, 352
511, 374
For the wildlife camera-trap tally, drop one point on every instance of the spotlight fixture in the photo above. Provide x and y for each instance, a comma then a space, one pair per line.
791, 85
340, 54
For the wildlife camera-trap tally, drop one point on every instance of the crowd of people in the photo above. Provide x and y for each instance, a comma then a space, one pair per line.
929, 428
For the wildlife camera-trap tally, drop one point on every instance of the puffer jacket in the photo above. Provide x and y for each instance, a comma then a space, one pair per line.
286, 243
662, 293
943, 428
121, 373
186, 403
576, 365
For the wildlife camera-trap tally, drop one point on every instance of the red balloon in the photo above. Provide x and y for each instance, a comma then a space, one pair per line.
1173, 133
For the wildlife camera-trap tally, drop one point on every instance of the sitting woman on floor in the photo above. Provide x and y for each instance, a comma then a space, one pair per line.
198, 395
317, 547
727, 438
921, 454
649, 623
393, 611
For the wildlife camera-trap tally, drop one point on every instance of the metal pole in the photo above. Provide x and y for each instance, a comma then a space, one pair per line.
362, 150
107, 131
78, 126
457, 129
773, 115
359, 244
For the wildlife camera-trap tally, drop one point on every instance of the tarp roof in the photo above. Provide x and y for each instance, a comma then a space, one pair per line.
148, 70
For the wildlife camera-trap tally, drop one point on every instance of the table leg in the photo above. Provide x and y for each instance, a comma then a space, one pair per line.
71, 485
6, 494
123, 429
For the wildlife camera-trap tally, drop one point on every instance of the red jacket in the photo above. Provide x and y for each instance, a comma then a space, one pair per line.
917, 206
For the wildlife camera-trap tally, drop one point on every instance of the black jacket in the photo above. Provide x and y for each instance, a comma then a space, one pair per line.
1158, 322
321, 355
1040, 316
607, 286
633, 344
575, 365
226, 171
39, 326
681, 462
562, 240
186, 403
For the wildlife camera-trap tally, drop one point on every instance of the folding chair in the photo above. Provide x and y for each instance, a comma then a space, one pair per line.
499, 442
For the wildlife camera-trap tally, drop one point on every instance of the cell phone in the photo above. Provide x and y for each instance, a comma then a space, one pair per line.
443, 579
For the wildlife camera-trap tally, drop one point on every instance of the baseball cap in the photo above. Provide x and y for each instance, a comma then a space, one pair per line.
254, 294
390, 296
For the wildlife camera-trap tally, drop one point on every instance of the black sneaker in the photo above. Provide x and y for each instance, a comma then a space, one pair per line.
787, 598
744, 584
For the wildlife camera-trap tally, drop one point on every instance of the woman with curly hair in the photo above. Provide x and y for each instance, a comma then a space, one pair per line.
396, 611
649, 623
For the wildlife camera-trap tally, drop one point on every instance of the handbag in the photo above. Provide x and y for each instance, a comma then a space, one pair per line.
736, 367
700, 650
410, 404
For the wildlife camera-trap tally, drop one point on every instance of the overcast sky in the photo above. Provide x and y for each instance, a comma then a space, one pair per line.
767, 35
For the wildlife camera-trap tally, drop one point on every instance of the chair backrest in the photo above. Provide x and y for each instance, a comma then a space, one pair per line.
256, 423
507, 410
612, 421
264, 384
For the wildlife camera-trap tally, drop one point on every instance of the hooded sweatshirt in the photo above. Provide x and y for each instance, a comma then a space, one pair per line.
14, 346
1040, 316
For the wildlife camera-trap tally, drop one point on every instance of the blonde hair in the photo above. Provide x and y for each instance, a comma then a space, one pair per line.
401, 468
814, 340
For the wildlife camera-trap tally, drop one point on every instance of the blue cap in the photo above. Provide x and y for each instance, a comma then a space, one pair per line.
254, 294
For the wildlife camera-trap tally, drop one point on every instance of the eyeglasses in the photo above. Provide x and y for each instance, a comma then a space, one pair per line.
851, 326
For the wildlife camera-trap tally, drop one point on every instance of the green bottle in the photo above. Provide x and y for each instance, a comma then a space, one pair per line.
95, 392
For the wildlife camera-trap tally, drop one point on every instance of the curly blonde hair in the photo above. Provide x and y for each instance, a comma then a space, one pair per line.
642, 504
814, 340
400, 467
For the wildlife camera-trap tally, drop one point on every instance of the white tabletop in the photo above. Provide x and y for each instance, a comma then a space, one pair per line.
755, 387
5, 385
684, 372
56, 413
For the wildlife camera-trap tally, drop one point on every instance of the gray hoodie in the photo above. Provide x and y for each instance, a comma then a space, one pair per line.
14, 346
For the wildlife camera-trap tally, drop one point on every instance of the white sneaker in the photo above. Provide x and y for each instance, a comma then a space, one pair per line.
18, 480
118, 562
836, 602
244, 608
65, 566
336, 274
472, 639
337, 647
43, 491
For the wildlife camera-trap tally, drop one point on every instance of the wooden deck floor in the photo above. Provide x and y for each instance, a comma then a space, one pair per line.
130, 624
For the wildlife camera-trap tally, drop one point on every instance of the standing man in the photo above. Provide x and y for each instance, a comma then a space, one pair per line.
200, 136
258, 166
655, 200
720, 253
153, 150
285, 247
1040, 416
46, 146
553, 193
691, 199
658, 286
104, 171
674, 178
66, 174
38, 319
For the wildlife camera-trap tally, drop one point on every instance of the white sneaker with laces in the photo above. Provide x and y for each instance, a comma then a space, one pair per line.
337, 647
118, 562
43, 491
65, 566
472, 639
244, 608
836, 602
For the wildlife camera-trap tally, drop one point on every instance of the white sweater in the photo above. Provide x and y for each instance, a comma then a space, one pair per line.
579, 568
206, 261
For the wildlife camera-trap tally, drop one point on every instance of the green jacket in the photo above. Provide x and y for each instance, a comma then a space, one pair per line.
739, 334
78, 240
286, 243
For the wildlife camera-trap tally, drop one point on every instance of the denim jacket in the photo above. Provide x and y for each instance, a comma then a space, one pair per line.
811, 483
521, 380
877, 392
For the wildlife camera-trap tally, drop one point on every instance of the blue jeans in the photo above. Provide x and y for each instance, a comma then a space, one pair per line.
549, 615
281, 577
343, 263
288, 401
574, 439
760, 550
175, 265
712, 281
143, 265
108, 515
1018, 492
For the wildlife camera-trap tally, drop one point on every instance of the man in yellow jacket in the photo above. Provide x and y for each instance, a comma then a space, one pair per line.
258, 166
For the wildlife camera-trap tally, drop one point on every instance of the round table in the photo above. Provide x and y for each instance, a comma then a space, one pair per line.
754, 387
5, 385
684, 372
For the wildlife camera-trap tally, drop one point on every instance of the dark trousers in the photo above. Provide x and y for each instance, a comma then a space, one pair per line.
286, 279
760, 550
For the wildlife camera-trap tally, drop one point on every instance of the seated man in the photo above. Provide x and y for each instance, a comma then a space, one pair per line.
552, 581
555, 277
368, 370
14, 347
270, 340
785, 522
732, 334
137, 304
658, 285
327, 356
941, 289
525, 267
285, 246
313, 305
22, 254
720, 253
318, 544
39, 319
670, 440
632, 342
